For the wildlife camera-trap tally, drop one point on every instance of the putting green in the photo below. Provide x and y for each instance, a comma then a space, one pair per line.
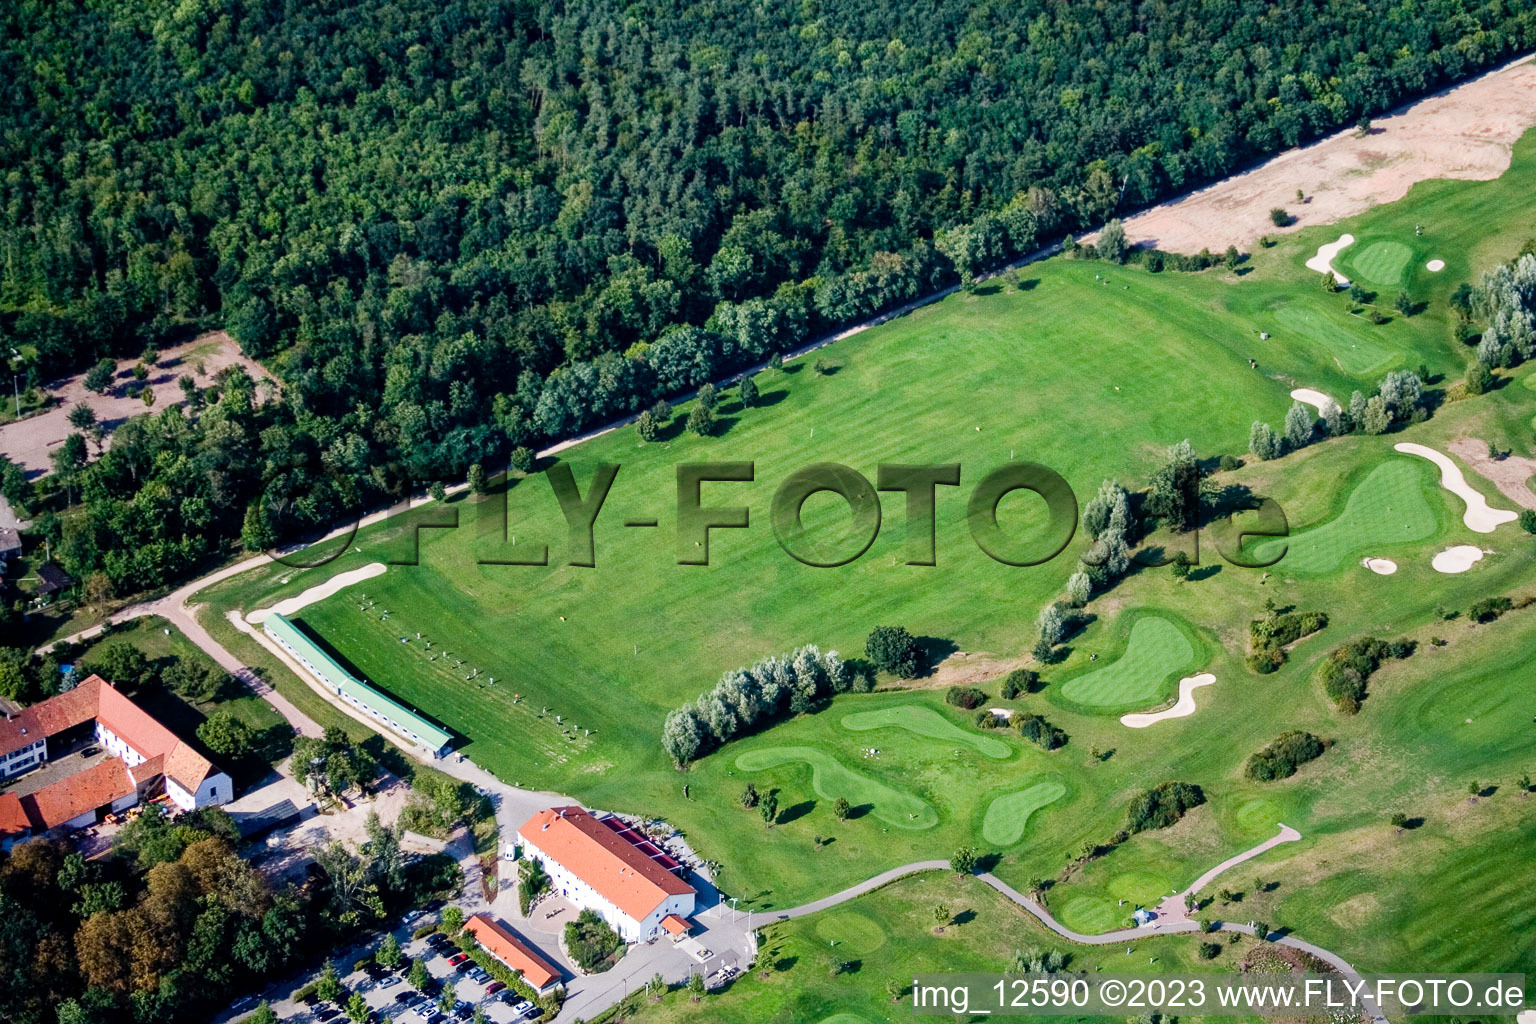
1156, 651
1008, 814
1381, 263
924, 722
832, 779
1093, 915
1387, 508
851, 931
1340, 335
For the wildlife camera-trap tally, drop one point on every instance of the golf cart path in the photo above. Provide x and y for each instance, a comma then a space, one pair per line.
1162, 927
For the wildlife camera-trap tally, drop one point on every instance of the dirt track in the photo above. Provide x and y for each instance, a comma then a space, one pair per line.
1465, 132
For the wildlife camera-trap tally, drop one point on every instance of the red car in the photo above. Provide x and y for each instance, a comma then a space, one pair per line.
494, 987
460, 958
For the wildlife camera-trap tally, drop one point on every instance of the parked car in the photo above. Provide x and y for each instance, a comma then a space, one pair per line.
464, 1013
428, 1012
464, 966
405, 998
436, 939
536, 1013
479, 975
517, 1002
458, 958
389, 982
326, 1013
494, 987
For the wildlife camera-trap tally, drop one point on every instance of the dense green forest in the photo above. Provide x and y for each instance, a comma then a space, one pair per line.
453, 227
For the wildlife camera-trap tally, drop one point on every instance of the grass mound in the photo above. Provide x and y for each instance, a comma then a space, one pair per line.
851, 931
1008, 814
832, 779
924, 722
1337, 334
1389, 507
1156, 651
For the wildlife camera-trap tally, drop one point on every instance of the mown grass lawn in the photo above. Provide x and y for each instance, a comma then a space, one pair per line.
1092, 370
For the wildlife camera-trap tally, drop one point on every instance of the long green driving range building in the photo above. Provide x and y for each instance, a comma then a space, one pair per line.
399, 719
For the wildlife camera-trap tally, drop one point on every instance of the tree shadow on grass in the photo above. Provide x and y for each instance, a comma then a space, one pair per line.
796, 811
935, 649
1205, 572
964, 917
858, 811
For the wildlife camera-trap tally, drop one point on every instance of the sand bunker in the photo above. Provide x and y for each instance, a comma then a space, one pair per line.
1435, 266
319, 592
1380, 566
1183, 709
1316, 399
1323, 261
1480, 517
1457, 559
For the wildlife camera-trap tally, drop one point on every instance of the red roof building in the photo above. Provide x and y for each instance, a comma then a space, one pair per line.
539, 973
146, 756
602, 868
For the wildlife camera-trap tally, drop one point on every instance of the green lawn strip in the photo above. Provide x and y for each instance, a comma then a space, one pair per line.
1157, 652
927, 722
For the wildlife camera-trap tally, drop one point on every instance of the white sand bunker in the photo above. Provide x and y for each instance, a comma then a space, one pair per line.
1380, 566
319, 592
1480, 516
1323, 261
1316, 399
1526, 1017
1457, 559
1183, 709
1435, 266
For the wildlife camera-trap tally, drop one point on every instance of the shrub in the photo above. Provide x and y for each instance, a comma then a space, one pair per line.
1278, 217
1040, 732
1489, 608
985, 719
1020, 681
968, 697
1348, 667
1163, 805
1281, 758
1268, 637
1229, 463
892, 649
1209, 950
591, 942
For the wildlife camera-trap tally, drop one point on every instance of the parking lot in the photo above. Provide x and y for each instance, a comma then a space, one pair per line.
391, 996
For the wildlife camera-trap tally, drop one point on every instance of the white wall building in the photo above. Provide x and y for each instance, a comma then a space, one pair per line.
634, 887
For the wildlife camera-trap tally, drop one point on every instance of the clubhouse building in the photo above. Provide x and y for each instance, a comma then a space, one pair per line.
602, 864
122, 757
386, 711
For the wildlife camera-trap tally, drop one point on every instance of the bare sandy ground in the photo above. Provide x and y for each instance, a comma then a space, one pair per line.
29, 442
1322, 263
1380, 566
1319, 401
1480, 516
319, 592
1183, 709
1465, 132
1511, 474
1457, 559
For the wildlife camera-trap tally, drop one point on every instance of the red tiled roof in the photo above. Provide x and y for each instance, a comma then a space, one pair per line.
512, 951
69, 798
13, 819
675, 925
50, 717
95, 698
187, 767
597, 855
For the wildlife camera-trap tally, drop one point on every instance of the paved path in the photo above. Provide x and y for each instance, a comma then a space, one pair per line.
1162, 927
